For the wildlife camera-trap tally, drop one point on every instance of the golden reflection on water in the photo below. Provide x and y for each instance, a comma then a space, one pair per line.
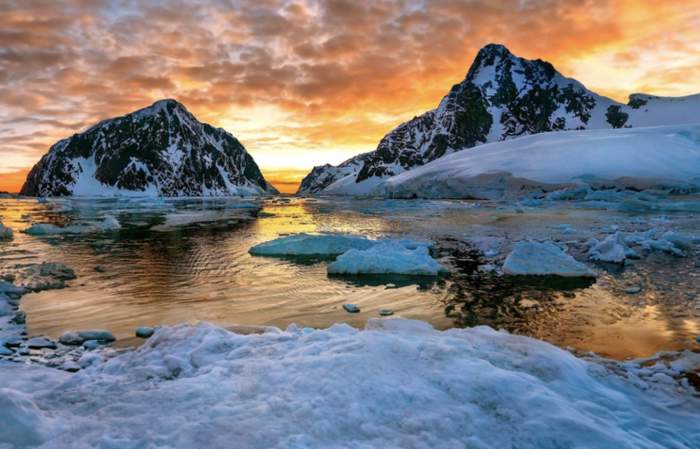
204, 272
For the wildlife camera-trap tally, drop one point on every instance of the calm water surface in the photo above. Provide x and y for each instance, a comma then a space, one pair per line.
187, 260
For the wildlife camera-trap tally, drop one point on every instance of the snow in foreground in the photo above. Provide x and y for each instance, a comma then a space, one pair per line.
655, 157
398, 383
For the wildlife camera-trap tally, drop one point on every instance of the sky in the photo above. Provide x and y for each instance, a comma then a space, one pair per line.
308, 82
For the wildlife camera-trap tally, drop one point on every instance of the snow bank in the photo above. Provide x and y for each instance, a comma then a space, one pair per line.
401, 384
389, 257
654, 157
543, 259
311, 245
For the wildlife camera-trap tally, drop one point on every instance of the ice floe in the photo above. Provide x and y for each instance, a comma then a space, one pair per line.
611, 249
342, 387
311, 245
389, 257
530, 258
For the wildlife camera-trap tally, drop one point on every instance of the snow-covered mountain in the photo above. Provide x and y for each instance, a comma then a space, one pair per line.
161, 150
502, 97
570, 163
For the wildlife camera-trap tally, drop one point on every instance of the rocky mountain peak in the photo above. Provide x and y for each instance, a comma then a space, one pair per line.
502, 96
160, 150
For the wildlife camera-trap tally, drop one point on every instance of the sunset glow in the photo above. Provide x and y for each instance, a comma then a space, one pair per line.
304, 83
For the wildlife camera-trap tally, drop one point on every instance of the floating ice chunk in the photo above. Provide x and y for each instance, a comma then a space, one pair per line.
110, 223
389, 257
681, 241
351, 308
39, 229
611, 249
543, 259
5, 232
326, 245
311, 245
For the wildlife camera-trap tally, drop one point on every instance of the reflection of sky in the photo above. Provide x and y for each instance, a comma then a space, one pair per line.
308, 82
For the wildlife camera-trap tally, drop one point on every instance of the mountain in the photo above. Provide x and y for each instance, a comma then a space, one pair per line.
161, 150
502, 97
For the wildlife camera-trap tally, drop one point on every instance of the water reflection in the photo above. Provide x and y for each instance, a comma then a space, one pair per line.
150, 273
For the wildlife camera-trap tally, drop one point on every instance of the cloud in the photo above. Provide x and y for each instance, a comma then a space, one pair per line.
341, 72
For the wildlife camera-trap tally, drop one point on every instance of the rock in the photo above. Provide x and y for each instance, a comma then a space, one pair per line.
20, 317
100, 269
386, 312
351, 308
11, 342
91, 344
633, 290
697, 338
144, 331
88, 359
70, 366
40, 343
71, 338
101, 335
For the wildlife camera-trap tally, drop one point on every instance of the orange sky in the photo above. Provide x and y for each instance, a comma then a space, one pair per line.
308, 82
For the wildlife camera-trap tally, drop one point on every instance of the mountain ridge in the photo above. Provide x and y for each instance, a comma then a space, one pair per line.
502, 97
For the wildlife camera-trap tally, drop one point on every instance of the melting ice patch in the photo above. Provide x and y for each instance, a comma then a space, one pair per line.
395, 384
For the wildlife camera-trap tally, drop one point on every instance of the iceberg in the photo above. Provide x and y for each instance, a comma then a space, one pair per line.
543, 259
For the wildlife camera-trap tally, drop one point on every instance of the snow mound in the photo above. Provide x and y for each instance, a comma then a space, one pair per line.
379, 388
389, 257
543, 259
665, 157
